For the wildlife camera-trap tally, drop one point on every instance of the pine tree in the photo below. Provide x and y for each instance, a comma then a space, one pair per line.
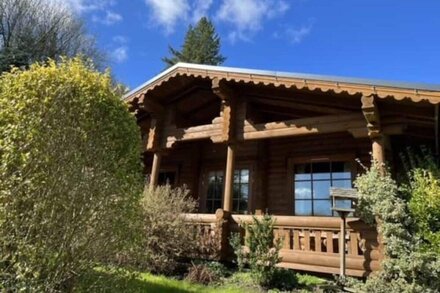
201, 46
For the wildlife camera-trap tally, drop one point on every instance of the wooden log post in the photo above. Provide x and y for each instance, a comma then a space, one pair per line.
154, 177
372, 117
228, 113
229, 178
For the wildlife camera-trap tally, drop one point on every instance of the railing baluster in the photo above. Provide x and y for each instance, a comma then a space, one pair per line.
330, 242
286, 242
318, 241
307, 240
354, 243
296, 240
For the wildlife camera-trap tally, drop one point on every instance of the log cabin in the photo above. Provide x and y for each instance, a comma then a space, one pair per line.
252, 142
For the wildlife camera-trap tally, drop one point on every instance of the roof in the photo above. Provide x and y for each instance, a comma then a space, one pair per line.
399, 90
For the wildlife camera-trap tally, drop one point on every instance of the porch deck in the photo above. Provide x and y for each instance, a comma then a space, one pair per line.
309, 243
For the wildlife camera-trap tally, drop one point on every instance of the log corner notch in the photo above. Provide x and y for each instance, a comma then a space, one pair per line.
374, 127
227, 110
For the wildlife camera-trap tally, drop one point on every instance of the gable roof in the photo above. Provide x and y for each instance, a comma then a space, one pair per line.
398, 90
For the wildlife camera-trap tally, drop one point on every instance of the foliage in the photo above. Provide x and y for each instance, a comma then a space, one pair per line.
165, 236
70, 174
112, 280
201, 46
203, 274
284, 279
423, 191
405, 268
263, 249
35, 30
235, 242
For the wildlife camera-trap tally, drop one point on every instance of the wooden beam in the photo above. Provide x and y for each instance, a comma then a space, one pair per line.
150, 106
304, 126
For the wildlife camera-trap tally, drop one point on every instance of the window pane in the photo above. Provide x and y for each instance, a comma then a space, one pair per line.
321, 189
244, 176
217, 205
322, 208
244, 191
321, 170
342, 183
303, 207
303, 190
303, 172
236, 176
243, 205
341, 170
235, 205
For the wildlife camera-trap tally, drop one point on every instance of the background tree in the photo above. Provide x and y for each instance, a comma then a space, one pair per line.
201, 46
36, 30
70, 174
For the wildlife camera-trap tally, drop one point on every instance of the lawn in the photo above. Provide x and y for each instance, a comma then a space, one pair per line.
101, 280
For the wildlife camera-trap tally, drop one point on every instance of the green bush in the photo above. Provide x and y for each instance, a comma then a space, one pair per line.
284, 279
206, 273
262, 249
165, 236
406, 267
70, 174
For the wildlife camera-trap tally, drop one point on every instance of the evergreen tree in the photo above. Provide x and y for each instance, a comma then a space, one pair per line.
201, 46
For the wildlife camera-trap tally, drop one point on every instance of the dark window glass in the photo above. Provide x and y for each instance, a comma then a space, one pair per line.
312, 182
241, 191
215, 191
167, 178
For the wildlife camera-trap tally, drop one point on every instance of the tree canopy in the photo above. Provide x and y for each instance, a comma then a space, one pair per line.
38, 30
201, 46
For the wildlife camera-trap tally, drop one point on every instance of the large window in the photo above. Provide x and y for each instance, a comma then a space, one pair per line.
214, 192
312, 182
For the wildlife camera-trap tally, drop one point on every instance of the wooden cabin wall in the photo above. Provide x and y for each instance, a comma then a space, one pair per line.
268, 161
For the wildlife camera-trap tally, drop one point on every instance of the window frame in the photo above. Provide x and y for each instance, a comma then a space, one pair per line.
292, 162
203, 186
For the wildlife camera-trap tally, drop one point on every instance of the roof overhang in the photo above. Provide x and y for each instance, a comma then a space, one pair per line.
382, 89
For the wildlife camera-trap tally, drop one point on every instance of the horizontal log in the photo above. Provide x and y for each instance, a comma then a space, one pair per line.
321, 269
322, 124
328, 260
319, 223
200, 218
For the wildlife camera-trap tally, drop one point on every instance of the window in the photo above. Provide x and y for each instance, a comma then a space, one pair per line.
241, 191
312, 182
214, 193
166, 178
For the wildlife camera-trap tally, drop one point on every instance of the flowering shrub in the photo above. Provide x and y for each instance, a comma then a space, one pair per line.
70, 174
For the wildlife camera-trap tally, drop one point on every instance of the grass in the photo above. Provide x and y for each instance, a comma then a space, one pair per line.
118, 280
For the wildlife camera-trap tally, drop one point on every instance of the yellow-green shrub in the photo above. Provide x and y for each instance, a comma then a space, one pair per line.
69, 174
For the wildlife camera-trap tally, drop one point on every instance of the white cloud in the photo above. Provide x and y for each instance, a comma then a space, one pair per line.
109, 18
120, 39
200, 9
82, 6
119, 54
167, 13
247, 16
295, 35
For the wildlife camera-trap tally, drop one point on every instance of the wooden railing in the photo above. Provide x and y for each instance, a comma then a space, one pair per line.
308, 243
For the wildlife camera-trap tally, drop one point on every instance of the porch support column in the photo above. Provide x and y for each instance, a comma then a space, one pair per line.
372, 117
229, 178
228, 135
157, 158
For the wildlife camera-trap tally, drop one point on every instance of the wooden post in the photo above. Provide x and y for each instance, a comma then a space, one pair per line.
342, 246
155, 169
378, 150
229, 178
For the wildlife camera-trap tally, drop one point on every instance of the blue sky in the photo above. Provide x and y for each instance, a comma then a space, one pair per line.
391, 40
